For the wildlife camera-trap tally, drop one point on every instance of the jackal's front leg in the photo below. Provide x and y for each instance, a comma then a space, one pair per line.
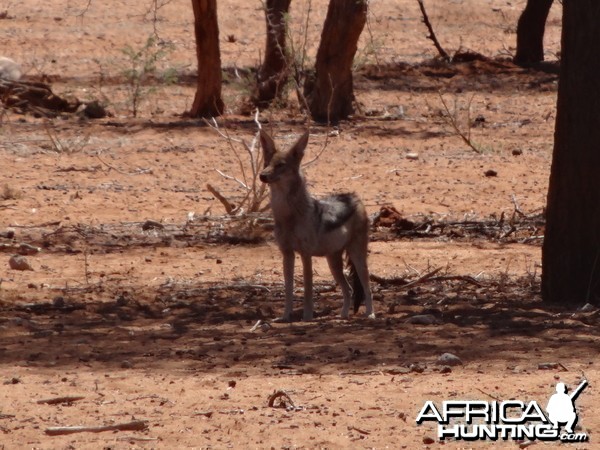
288, 277
308, 287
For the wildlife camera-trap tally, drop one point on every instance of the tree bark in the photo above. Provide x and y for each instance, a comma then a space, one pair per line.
273, 74
207, 101
330, 95
530, 32
571, 250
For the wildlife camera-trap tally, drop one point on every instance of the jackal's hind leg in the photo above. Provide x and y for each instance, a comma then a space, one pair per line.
336, 265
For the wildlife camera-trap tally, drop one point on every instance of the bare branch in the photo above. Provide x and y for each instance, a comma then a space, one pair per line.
432, 35
228, 206
453, 122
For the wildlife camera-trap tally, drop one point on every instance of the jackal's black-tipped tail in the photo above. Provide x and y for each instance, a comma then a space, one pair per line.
358, 292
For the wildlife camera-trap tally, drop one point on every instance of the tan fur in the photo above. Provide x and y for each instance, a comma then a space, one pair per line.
309, 227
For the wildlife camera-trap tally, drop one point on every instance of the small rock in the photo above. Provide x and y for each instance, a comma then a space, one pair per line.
428, 440
423, 319
94, 110
58, 301
490, 173
412, 156
548, 366
8, 234
587, 307
448, 359
17, 262
9, 69
479, 121
13, 380
446, 369
418, 368
26, 249
152, 225
231, 383
517, 152
126, 364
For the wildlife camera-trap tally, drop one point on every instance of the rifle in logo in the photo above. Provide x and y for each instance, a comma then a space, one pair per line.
561, 406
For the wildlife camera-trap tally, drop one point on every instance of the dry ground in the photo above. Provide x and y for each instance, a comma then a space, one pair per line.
156, 324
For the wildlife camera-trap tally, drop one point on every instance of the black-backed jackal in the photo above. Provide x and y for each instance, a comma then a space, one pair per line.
327, 227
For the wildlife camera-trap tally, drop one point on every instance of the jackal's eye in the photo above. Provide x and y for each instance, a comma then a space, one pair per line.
279, 165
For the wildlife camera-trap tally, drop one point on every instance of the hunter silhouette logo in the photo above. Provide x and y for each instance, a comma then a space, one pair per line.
561, 406
471, 420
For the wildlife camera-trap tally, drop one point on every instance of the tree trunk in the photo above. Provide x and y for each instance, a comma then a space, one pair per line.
530, 32
571, 250
273, 73
330, 95
207, 102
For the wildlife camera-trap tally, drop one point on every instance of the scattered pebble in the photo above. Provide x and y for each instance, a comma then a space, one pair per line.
491, 173
94, 110
423, 319
17, 262
548, 366
26, 249
517, 152
427, 440
9, 69
448, 359
446, 369
152, 225
418, 368
8, 234
412, 156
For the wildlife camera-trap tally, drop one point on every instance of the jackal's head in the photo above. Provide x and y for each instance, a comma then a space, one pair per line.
281, 165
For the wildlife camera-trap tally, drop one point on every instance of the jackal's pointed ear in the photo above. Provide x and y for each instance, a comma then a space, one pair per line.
298, 149
268, 146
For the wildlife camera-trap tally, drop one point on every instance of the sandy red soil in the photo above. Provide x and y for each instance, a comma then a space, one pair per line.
156, 324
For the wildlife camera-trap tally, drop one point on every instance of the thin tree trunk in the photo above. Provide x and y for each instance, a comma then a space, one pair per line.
530, 32
330, 95
273, 73
207, 102
571, 250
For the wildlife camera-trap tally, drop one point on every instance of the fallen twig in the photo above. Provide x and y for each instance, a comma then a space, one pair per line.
136, 425
488, 394
65, 399
423, 278
137, 438
282, 403
358, 430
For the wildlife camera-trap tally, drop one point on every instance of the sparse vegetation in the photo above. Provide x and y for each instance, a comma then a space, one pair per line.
254, 192
141, 68
460, 126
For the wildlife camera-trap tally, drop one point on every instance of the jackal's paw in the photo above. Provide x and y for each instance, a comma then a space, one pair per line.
370, 316
344, 315
307, 317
